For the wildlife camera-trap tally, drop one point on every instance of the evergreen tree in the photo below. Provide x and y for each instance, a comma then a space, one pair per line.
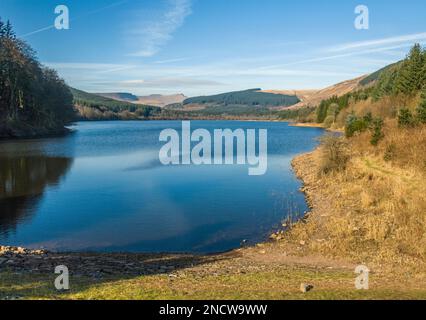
406, 118
411, 77
421, 110
377, 127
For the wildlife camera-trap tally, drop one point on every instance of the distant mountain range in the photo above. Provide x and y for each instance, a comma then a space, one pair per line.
157, 100
252, 103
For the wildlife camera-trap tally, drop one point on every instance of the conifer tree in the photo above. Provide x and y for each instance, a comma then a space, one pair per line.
410, 78
421, 110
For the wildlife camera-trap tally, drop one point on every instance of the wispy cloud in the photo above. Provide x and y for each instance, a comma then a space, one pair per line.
338, 56
154, 35
171, 60
410, 38
177, 82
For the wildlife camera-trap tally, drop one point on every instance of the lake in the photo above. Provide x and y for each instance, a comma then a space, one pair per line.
104, 189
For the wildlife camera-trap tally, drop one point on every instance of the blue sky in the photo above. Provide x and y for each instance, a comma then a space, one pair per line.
209, 46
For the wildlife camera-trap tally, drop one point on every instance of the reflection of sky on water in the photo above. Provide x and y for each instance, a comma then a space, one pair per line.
118, 197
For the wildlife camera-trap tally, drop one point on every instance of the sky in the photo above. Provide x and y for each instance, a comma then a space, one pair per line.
202, 47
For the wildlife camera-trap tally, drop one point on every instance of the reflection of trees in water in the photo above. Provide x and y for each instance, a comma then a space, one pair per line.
22, 183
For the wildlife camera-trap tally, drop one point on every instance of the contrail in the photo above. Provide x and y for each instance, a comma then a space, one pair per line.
115, 4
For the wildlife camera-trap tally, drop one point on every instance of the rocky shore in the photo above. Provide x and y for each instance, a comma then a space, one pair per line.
17, 259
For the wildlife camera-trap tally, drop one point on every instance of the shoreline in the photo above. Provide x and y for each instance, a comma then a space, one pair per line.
314, 125
271, 270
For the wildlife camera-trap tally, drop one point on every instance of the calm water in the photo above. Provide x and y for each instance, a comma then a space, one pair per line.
104, 189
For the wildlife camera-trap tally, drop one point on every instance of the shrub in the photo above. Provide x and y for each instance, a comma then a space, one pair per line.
406, 118
377, 127
354, 125
335, 155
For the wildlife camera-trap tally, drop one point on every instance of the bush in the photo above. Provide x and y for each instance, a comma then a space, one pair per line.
335, 155
406, 118
355, 125
377, 127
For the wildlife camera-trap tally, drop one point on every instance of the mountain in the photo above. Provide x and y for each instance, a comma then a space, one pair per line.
252, 98
312, 98
161, 100
94, 107
119, 96
157, 100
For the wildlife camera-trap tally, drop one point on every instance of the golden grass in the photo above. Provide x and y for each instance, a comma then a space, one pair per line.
375, 209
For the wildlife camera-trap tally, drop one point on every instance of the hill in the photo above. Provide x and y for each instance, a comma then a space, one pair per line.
312, 98
93, 107
372, 78
252, 97
119, 96
162, 100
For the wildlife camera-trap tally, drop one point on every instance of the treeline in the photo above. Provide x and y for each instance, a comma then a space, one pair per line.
252, 97
33, 99
93, 107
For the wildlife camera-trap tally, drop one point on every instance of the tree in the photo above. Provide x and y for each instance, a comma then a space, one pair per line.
406, 118
29, 94
421, 110
377, 127
411, 77
355, 125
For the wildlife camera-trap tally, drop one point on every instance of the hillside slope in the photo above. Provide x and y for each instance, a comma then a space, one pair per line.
312, 98
119, 96
252, 97
93, 107
162, 100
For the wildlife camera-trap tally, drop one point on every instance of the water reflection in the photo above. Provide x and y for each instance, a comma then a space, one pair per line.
23, 181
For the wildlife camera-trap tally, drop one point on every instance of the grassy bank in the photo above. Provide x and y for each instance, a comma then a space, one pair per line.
263, 272
368, 202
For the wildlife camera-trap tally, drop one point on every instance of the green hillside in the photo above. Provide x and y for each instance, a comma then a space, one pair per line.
93, 107
120, 96
252, 97
376, 75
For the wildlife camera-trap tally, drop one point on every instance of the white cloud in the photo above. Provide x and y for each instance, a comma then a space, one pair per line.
410, 38
154, 35
85, 66
175, 82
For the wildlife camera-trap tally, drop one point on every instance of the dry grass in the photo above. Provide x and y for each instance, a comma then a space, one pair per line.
374, 210
385, 108
334, 154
